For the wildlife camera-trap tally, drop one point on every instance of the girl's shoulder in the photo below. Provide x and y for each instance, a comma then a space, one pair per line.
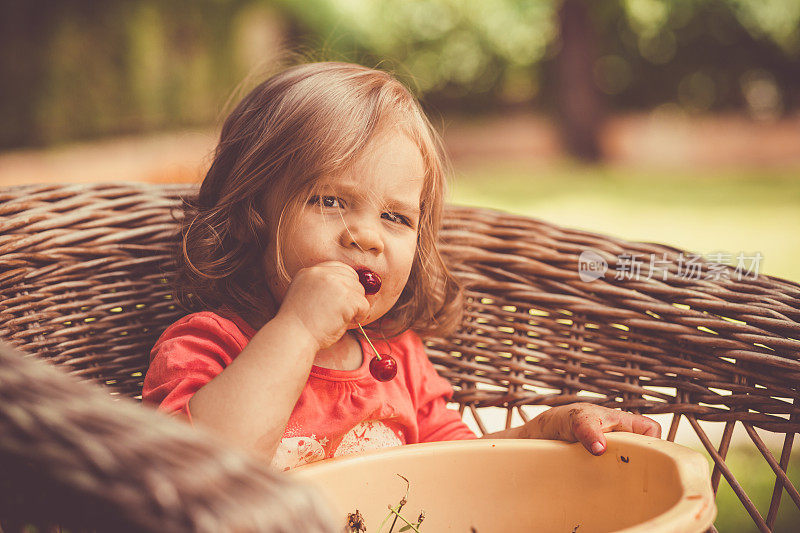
408, 340
408, 346
210, 323
421, 375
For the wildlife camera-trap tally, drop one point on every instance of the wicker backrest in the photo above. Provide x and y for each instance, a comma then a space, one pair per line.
82, 275
82, 283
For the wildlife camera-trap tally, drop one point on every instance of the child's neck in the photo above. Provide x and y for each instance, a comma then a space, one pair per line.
344, 354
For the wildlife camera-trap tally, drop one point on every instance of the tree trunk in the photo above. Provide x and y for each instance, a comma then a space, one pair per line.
579, 102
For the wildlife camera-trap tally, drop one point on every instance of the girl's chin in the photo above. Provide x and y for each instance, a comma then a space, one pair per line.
355, 326
376, 326
370, 324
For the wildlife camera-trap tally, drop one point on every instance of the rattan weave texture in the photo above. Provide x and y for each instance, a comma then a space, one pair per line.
82, 279
70, 455
724, 349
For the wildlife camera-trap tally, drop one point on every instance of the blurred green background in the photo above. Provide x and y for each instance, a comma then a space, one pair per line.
672, 121
76, 69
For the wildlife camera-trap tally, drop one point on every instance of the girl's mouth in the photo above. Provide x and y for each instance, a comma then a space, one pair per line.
369, 279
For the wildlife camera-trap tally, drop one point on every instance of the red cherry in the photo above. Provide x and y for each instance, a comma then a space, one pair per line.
383, 368
370, 280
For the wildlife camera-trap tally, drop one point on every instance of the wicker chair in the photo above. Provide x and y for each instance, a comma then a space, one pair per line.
70, 455
83, 284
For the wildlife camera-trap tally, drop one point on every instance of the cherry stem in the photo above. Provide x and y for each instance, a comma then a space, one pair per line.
388, 516
402, 503
396, 512
369, 341
412, 526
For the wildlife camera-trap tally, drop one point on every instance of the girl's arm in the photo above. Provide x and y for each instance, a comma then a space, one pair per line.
582, 422
250, 401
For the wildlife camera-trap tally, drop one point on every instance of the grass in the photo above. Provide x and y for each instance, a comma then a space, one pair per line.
757, 479
730, 211
703, 212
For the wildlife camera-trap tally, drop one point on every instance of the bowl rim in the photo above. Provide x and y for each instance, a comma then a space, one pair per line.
694, 511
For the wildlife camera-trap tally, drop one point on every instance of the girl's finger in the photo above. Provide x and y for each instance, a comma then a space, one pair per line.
362, 313
590, 425
588, 429
646, 426
633, 423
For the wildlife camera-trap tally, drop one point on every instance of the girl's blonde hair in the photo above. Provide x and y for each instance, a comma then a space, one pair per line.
307, 122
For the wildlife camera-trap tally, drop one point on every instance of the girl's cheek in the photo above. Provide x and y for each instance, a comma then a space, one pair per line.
397, 286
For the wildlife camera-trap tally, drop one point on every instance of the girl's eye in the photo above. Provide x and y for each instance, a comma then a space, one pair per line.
326, 201
400, 219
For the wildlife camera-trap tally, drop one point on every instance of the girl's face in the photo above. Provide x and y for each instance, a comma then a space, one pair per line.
366, 217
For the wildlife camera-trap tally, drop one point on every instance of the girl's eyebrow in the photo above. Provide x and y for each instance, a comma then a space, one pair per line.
403, 207
339, 187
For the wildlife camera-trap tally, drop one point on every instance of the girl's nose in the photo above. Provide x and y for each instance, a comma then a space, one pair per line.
363, 236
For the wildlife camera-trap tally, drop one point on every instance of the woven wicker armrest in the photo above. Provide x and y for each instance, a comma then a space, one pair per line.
705, 342
666, 342
71, 455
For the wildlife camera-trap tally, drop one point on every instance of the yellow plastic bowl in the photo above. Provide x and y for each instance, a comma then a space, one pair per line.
640, 484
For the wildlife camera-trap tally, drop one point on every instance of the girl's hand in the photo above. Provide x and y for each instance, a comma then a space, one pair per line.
587, 423
325, 299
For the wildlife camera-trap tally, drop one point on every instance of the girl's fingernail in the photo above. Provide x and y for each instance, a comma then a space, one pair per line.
597, 448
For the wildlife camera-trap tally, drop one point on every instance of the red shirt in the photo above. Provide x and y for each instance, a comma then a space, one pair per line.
339, 412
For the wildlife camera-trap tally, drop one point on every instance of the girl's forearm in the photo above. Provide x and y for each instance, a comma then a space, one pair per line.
250, 401
510, 433
520, 432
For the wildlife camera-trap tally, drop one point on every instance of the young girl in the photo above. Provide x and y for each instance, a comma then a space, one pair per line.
322, 172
